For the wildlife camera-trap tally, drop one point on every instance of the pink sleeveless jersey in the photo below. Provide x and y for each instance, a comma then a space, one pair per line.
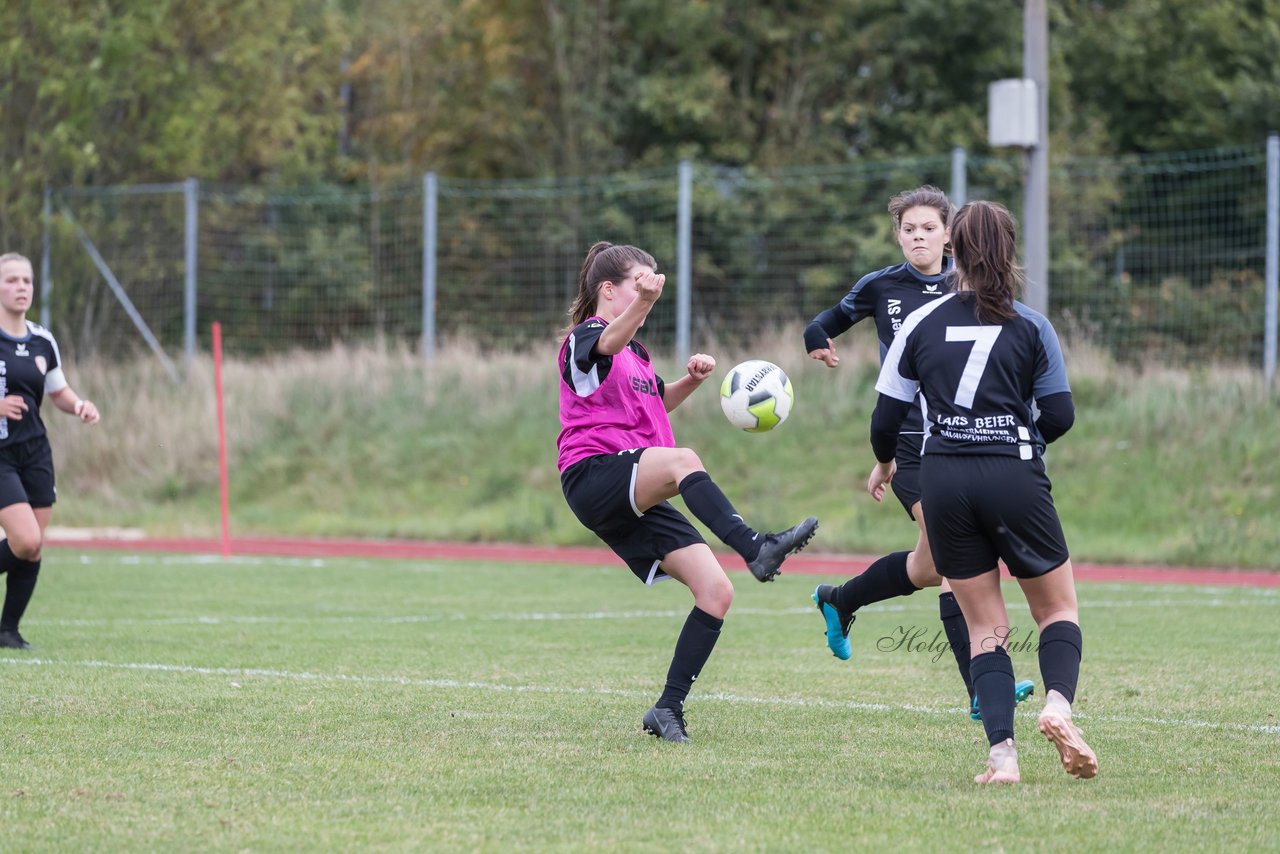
604, 416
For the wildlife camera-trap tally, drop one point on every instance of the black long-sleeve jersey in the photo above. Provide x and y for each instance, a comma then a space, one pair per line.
979, 381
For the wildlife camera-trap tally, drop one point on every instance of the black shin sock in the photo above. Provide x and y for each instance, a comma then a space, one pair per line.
697, 639
19, 587
957, 636
992, 674
884, 579
705, 501
1060, 647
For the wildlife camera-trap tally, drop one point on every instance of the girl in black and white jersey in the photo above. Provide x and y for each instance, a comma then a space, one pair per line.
921, 225
985, 365
30, 368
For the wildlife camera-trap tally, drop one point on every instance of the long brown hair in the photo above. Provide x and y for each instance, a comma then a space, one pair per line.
984, 238
605, 262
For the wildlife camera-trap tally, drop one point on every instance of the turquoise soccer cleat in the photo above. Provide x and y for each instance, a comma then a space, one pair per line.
838, 623
1021, 691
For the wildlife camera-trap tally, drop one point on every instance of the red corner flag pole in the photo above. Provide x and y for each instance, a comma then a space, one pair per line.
222, 439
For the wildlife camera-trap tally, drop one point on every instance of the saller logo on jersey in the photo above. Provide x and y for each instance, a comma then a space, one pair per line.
644, 386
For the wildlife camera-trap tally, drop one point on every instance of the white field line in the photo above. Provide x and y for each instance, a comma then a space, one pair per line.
205, 561
530, 617
560, 616
497, 687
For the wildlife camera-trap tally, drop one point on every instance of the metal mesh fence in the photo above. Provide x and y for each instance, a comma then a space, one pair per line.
509, 253
1155, 257
1163, 256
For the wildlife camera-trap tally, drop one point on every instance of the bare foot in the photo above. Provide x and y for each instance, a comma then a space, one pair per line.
1077, 757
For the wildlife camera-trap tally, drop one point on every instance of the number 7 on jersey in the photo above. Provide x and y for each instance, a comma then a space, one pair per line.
983, 338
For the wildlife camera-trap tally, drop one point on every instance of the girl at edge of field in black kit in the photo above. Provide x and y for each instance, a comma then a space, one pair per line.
31, 368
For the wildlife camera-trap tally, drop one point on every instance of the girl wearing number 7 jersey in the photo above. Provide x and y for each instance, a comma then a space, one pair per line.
985, 364
921, 224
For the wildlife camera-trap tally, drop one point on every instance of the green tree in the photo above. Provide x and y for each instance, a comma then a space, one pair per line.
1170, 75
95, 93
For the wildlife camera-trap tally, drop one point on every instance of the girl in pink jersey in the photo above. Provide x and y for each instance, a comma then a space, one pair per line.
619, 465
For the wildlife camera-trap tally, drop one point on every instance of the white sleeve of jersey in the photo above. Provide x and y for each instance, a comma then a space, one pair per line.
54, 381
891, 381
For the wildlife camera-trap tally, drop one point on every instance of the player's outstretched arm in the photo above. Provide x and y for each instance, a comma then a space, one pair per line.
73, 404
819, 333
698, 370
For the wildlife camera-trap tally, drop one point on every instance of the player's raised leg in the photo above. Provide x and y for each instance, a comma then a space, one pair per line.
894, 575
666, 472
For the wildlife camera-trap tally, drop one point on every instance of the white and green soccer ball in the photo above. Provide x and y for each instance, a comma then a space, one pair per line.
756, 396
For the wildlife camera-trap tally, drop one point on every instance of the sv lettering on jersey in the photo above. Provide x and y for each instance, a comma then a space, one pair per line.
894, 310
645, 386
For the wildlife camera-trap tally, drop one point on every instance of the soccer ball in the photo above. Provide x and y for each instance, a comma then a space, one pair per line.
756, 396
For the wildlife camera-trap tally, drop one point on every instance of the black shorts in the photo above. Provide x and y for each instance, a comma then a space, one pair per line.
980, 508
601, 492
906, 480
26, 473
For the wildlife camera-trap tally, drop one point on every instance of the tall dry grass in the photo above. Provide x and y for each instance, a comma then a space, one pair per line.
1163, 464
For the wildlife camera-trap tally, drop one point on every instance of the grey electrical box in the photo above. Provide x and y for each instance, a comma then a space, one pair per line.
1013, 115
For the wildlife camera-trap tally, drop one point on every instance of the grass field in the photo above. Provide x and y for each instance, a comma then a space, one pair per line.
175, 703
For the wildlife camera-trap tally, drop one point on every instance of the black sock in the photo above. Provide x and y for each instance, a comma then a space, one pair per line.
1060, 648
697, 639
957, 636
884, 579
992, 674
21, 584
705, 500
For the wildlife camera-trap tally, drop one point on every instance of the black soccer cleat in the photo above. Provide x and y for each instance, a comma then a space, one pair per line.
11, 639
666, 723
778, 547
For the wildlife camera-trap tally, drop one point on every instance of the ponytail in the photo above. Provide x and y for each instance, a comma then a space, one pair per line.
985, 240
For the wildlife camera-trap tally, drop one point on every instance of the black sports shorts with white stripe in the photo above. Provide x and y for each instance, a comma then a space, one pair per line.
601, 491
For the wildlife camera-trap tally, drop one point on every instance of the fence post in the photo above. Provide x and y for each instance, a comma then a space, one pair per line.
1035, 213
959, 176
684, 264
1273, 257
190, 197
429, 226
46, 251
